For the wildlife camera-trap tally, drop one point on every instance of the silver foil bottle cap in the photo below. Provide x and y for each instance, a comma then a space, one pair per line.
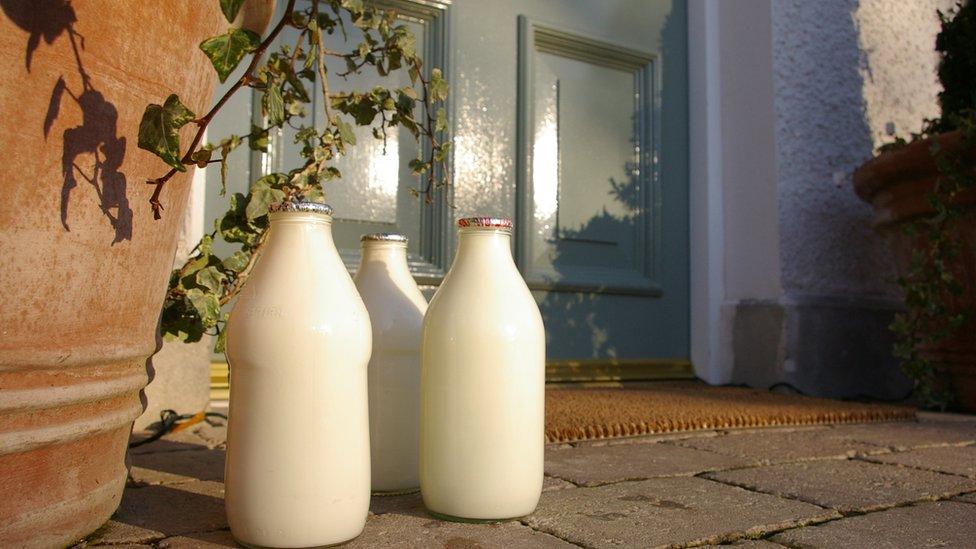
300, 206
485, 222
383, 237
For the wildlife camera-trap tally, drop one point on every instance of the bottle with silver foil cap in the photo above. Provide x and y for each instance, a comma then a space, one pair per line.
396, 311
298, 342
482, 384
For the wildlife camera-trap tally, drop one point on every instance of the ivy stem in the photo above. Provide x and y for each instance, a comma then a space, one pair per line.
241, 277
321, 63
202, 123
429, 131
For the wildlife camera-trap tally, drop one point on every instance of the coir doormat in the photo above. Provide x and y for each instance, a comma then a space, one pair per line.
574, 414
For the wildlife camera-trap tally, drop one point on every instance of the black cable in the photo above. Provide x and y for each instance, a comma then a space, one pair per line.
168, 420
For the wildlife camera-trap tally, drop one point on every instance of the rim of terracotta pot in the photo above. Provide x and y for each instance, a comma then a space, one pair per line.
913, 161
896, 182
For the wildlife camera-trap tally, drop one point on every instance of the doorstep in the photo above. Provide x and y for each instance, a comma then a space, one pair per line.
905, 483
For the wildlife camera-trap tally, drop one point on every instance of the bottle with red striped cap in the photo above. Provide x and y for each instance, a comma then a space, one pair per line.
482, 384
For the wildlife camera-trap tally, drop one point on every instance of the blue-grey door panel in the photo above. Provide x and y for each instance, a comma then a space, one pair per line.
569, 116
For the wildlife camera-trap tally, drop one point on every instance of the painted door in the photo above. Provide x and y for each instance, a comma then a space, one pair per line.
569, 116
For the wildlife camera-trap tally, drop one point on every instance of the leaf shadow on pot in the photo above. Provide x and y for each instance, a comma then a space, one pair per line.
96, 137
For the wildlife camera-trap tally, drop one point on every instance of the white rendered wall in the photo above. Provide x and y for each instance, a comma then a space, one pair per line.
787, 98
846, 73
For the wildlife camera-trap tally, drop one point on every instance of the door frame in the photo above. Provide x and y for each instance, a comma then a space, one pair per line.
733, 209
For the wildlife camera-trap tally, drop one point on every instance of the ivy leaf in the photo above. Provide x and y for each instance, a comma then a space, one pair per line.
194, 265
353, 5
262, 196
234, 226
273, 105
207, 306
345, 132
260, 200
438, 86
407, 43
315, 194
205, 247
258, 139
230, 8
226, 50
226, 146
202, 156
210, 278
236, 262
221, 343
441, 120
418, 166
159, 130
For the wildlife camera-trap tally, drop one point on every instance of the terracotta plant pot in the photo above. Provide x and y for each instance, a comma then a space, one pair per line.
85, 267
896, 184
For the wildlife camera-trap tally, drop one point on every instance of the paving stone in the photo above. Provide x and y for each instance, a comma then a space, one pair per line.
116, 533
409, 532
933, 524
750, 544
911, 434
175, 467
553, 483
153, 512
120, 546
407, 504
165, 445
666, 511
645, 439
957, 460
593, 466
220, 538
969, 498
944, 416
847, 486
213, 431
771, 447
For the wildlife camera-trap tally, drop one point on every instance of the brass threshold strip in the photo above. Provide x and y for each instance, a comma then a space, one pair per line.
581, 371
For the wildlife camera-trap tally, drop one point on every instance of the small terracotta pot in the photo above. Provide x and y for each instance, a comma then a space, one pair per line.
85, 266
896, 184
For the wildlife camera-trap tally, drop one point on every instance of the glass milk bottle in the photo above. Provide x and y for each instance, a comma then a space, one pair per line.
298, 341
482, 384
396, 311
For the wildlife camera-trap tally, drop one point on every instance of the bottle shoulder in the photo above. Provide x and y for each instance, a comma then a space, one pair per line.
318, 291
488, 303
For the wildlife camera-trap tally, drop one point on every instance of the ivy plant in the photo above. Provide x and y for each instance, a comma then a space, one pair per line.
286, 77
932, 285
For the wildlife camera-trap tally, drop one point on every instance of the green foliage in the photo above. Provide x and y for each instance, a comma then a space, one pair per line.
931, 285
956, 45
207, 282
227, 50
230, 8
159, 130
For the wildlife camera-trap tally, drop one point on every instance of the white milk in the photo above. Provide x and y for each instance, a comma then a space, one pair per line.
298, 341
396, 311
482, 384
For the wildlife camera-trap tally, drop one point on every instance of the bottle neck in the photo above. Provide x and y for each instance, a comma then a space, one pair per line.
300, 230
391, 256
490, 245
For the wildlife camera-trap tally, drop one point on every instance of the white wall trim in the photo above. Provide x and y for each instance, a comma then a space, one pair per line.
734, 215
706, 218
